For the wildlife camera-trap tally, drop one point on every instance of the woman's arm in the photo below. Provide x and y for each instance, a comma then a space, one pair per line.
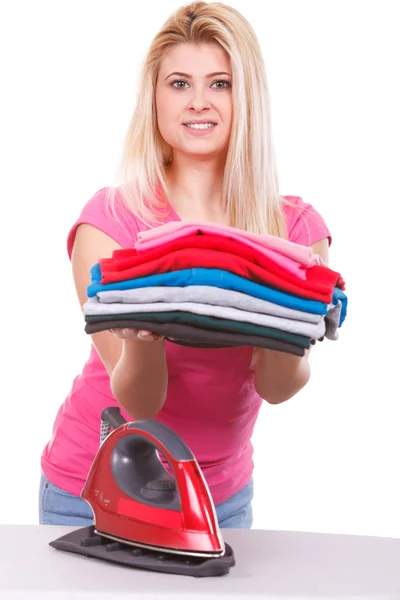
137, 369
279, 376
139, 380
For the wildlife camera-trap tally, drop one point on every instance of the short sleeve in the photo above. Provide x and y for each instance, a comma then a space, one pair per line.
304, 223
117, 222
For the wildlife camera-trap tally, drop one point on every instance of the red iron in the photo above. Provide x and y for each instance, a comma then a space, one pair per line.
168, 516
135, 500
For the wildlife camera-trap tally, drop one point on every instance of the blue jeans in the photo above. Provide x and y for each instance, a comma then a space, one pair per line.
58, 507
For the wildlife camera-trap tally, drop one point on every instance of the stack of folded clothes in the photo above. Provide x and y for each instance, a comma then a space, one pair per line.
209, 285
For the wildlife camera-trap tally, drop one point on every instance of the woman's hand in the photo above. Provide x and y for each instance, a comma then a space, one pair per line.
136, 335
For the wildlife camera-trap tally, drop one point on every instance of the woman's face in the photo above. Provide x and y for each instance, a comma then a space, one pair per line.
194, 100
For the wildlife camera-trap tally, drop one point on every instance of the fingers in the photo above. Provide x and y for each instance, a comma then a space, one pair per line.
136, 334
148, 336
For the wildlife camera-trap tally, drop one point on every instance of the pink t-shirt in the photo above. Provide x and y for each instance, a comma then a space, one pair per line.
291, 257
211, 401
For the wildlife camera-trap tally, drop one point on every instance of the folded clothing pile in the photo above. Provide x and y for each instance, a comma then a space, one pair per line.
215, 286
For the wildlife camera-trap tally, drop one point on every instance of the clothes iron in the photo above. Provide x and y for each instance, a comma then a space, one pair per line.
144, 516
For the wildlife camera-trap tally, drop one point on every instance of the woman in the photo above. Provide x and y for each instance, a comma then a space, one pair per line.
198, 148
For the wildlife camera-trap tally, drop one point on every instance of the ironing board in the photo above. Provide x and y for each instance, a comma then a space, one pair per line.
275, 565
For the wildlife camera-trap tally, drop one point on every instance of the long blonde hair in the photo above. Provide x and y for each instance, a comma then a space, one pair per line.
250, 188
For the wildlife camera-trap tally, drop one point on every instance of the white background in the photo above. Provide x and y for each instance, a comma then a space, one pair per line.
327, 460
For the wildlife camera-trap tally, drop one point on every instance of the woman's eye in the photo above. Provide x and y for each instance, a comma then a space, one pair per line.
178, 81
221, 84
224, 83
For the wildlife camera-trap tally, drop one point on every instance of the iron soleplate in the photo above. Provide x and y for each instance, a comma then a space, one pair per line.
87, 542
161, 549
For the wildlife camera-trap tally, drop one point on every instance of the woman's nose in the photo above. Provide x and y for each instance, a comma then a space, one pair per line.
199, 99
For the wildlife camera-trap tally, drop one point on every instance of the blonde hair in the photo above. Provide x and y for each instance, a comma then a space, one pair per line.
250, 195
250, 188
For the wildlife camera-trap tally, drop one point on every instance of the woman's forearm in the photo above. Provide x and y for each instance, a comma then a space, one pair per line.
279, 376
139, 380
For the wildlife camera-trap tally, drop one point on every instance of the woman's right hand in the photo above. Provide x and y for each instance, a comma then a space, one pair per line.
136, 335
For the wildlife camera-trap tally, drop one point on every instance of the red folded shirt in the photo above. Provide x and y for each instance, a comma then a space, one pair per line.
195, 252
129, 257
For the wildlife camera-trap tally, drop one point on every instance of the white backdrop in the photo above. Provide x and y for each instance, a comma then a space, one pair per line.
326, 460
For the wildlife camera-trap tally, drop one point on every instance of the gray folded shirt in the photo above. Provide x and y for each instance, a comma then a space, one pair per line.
205, 295
312, 330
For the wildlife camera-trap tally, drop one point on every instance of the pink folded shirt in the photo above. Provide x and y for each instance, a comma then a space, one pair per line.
295, 258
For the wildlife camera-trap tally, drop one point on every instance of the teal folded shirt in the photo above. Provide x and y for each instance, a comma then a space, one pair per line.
205, 322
